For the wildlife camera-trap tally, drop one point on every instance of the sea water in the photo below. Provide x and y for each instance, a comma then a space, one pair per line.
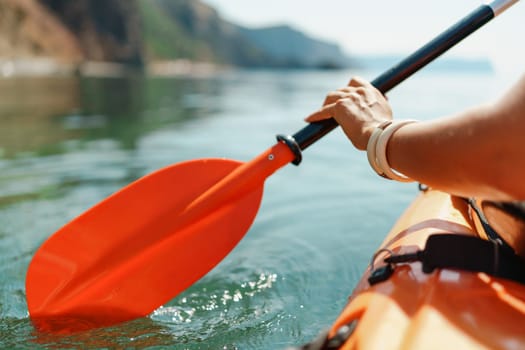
68, 143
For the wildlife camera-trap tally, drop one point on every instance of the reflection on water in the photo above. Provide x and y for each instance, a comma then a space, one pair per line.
68, 143
28, 113
46, 116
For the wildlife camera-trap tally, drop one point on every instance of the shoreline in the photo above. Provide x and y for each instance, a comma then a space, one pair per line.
48, 67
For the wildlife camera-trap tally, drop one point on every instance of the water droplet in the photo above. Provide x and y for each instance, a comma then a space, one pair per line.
237, 296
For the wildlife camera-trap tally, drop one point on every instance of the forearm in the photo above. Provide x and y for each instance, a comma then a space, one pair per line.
477, 153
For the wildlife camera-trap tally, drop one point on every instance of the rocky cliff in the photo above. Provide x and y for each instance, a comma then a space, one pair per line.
29, 29
108, 30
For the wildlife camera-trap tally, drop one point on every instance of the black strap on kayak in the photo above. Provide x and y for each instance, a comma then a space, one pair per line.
468, 253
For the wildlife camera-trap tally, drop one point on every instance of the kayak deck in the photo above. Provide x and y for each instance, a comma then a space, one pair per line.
415, 310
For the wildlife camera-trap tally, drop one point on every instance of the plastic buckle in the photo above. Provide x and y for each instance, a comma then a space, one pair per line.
380, 274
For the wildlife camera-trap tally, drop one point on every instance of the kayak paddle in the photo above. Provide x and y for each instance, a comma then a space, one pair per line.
148, 242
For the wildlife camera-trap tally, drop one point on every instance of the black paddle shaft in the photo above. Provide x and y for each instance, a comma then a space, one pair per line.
404, 69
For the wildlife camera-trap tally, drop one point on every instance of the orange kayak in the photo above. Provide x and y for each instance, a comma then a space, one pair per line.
451, 308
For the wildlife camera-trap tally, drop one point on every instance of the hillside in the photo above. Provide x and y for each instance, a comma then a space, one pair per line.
135, 32
29, 29
192, 29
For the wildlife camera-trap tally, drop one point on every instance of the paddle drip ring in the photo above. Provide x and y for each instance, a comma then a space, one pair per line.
294, 147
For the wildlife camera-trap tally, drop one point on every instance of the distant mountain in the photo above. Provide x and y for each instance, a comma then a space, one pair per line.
190, 28
288, 47
135, 32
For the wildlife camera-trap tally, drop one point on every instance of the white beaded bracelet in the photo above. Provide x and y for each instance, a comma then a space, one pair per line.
381, 145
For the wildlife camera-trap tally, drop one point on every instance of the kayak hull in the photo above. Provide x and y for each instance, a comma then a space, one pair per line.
416, 310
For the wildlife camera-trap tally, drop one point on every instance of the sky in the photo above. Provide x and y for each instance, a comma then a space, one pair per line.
386, 26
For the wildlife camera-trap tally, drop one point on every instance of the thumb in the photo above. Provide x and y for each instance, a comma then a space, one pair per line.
324, 113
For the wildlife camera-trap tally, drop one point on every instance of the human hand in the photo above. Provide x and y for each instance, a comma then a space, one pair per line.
358, 108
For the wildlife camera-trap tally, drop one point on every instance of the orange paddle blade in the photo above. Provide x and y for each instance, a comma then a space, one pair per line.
145, 244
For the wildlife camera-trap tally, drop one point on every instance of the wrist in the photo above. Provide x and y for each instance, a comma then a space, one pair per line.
377, 149
368, 131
